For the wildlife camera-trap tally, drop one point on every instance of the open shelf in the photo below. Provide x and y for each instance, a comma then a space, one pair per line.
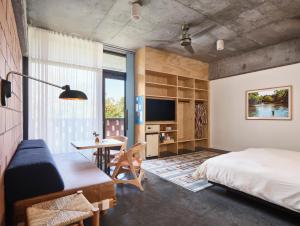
159, 84
183, 87
171, 147
160, 97
185, 93
182, 99
161, 123
184, 140
201, 84
168, 131
161, 78
189, 145
201, 95
167, 143
201, 144
201, 100
185, 82
152, 89
199, 139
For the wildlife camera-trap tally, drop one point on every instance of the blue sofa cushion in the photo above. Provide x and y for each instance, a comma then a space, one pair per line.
31, 172
29, 144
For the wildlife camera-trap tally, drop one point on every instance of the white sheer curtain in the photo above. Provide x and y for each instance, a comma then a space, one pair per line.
62, 60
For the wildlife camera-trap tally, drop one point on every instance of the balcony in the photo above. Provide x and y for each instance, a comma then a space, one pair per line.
114, 127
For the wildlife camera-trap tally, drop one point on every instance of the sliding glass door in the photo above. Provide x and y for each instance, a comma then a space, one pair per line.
114, 103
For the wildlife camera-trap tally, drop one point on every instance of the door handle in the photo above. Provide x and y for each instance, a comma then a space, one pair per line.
126, 120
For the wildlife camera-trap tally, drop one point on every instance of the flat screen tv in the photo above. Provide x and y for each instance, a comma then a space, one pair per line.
160, 110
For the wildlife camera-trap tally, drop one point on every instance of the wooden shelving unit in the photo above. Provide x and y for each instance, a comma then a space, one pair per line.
186, 83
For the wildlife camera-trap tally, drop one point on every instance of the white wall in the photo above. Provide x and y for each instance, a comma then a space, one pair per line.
229, 128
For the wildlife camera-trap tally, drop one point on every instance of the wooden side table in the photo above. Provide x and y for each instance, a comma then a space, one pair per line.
63, 211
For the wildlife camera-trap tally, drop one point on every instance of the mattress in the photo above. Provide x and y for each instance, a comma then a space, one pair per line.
270, 174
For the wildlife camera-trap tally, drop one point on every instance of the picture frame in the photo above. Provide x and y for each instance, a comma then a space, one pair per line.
273, 103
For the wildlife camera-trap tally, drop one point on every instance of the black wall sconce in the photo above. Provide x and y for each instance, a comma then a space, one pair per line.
67, 94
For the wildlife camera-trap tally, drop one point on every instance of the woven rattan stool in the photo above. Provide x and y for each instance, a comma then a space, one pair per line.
67, 210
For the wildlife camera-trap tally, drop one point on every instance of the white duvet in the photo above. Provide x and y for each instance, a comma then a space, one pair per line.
270, 174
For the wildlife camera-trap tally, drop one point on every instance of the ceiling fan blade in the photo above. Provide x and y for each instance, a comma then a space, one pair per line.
164, 41
190, 49
202, 32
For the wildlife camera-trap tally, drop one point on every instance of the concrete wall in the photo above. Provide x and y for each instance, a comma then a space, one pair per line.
11, 115
229, 128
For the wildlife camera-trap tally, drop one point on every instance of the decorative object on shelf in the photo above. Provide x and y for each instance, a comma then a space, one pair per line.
162, 137
168, 138
96, 135
201, 119
165, 138
271, 103
168, 128
67, 94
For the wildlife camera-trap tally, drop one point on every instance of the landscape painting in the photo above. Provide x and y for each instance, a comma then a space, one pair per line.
271, 103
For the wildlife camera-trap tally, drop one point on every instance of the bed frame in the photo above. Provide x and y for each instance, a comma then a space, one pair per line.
256, 199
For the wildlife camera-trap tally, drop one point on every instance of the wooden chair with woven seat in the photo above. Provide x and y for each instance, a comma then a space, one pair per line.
123, 139
114, 151
129, 162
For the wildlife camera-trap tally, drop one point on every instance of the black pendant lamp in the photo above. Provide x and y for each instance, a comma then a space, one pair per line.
67, 94
70, 94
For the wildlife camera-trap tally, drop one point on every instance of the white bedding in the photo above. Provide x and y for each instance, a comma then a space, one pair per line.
270, 174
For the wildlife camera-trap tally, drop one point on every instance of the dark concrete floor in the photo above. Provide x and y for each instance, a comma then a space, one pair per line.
166, 204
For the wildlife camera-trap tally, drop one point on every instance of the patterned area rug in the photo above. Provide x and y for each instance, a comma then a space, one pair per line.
179, 169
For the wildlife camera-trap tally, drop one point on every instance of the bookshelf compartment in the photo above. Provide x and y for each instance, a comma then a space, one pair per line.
168, 127
160, 91
165, 135
201, 94
161, 78
185, 93
168, 148
199, 144
185, 82
201, 84
186, 146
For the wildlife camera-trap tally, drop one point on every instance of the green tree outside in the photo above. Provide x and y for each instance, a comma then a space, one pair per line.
114, 108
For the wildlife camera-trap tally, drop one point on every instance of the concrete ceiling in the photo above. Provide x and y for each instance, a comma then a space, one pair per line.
244, 24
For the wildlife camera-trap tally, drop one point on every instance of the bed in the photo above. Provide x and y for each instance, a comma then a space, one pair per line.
269, 174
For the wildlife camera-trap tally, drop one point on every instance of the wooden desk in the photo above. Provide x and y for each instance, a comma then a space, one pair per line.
103, 145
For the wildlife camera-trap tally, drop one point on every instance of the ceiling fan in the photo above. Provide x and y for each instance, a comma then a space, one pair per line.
185, 39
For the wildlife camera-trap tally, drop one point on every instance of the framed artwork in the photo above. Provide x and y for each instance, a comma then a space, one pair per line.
270, 103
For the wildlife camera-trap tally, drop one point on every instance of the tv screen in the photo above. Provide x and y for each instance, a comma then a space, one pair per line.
160, 110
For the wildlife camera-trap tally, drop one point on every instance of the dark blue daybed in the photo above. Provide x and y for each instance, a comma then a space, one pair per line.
31, 172
35, 175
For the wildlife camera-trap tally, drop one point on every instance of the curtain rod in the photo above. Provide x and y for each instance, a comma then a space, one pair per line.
116, 49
